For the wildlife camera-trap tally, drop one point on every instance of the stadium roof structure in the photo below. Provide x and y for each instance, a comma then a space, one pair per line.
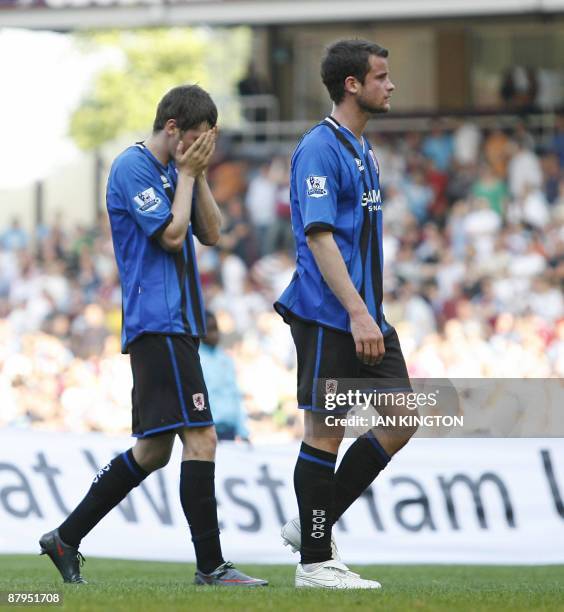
101, 14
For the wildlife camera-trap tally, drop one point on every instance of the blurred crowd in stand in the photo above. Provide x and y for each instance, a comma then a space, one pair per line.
474, 272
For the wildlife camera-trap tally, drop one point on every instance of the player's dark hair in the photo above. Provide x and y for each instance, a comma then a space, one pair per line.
347, 58
189, 105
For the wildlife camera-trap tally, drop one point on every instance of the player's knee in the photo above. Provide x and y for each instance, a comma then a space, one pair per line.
407, 431
151, 460
412, 427
199, 443
210, 439
153, 454
330, 445
161, 459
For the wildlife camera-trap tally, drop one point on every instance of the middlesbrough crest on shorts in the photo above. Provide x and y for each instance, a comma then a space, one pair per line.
199, 402
331, 386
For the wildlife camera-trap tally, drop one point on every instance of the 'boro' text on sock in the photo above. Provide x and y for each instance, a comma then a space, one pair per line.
101, 472
319, 520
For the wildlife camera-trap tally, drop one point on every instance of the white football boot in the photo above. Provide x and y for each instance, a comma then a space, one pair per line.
332, 575
292, 536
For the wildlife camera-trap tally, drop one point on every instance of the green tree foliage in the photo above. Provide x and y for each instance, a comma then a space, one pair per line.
124, 96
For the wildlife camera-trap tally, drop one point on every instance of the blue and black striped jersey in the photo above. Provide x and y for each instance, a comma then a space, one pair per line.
161, 291
335, 186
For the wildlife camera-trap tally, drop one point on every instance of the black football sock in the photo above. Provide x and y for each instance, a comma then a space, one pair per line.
314, 482
197, 496
360, 465
110, 485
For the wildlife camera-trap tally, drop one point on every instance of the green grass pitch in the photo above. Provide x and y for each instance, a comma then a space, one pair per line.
145, 586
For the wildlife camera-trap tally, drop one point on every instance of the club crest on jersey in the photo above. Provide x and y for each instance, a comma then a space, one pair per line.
316, 186
199, 402
359, 164
147, 200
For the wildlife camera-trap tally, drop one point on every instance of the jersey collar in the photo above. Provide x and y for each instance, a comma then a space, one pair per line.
147, 152
333, 121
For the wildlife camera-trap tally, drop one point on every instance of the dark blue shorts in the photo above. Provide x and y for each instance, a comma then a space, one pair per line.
327, 362
169, 391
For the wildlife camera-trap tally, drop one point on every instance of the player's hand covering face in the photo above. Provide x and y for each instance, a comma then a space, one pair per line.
194, 158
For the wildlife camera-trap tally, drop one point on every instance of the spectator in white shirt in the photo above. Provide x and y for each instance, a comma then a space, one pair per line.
261, 205
524, 171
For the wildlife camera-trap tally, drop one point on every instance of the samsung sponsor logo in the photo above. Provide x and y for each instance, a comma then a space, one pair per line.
372, 199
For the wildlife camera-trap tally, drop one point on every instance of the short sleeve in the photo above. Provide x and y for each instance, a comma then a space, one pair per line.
146, 199
316, 172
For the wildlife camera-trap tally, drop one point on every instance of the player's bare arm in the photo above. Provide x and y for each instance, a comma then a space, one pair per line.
366, 333
207, 220
190, 164
207, 216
